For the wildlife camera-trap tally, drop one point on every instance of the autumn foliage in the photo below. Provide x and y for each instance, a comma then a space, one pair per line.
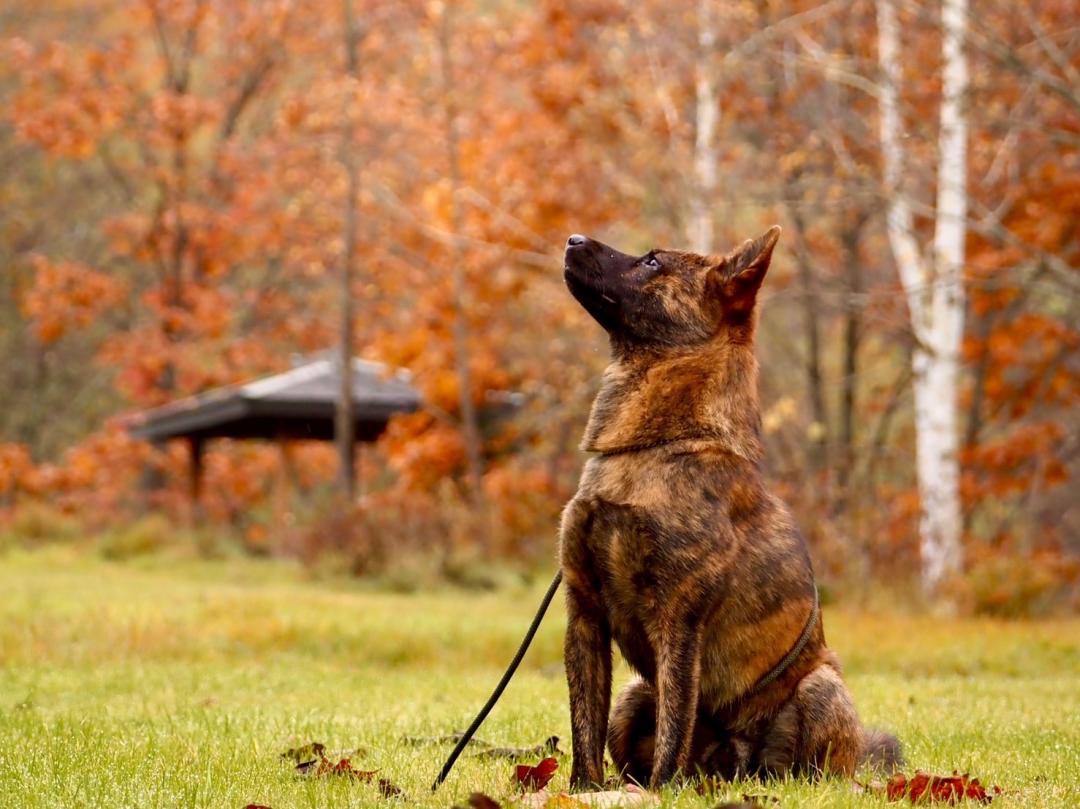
171, 220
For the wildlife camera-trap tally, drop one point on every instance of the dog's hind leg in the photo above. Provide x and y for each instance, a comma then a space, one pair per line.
632, 740
632, 732
817, 731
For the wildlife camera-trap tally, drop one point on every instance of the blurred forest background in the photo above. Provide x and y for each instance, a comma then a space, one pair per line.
188, 187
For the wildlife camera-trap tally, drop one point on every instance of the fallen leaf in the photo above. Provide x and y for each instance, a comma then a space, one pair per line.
388, 789
312, 751
345, 767
534, 778
256, 806
452, 738
545, 748
935, 788
324, 766
308, 767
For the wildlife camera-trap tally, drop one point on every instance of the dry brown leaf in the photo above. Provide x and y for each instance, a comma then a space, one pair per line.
545, 748
388, 789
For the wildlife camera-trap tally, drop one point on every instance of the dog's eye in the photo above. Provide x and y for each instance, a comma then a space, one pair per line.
652, 262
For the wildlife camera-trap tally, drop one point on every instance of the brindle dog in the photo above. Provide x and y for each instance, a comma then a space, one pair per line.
674, 548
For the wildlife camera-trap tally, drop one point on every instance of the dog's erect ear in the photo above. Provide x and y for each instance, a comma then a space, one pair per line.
740, 274
754, 255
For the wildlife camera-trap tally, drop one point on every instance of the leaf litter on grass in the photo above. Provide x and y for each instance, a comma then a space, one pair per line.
925, 788
450, 738
545, 748
533, 778
310, 761
530, 780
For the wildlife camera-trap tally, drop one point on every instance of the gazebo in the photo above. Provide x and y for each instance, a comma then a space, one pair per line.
296, 404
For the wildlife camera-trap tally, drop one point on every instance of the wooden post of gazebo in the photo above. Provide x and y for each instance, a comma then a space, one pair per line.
195, 473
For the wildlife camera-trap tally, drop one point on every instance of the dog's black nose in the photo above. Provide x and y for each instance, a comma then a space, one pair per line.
575, 240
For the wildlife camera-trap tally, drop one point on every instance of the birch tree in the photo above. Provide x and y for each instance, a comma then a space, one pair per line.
707, 111
933, 284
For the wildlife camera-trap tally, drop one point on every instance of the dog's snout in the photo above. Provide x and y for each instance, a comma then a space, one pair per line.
576, 240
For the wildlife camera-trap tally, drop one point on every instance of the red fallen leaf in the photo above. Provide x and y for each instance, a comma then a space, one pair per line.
896, 787
533, 779
324, 766
345, 767
938, 788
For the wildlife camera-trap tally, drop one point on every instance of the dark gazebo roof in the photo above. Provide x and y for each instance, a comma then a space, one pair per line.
297, 404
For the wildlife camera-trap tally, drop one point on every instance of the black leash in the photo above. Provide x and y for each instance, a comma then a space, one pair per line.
480, 717
466, 737
775, 672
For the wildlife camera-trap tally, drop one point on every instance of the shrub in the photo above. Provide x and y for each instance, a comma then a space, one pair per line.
145, 536
36, 523
1009, 584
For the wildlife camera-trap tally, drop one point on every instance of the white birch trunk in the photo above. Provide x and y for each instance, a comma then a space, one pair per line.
707, 115
933, 286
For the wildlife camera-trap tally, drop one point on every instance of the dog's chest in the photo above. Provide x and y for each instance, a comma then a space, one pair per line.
651, 529
629, 570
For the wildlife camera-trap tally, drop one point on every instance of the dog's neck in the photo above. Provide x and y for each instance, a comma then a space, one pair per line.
647, 401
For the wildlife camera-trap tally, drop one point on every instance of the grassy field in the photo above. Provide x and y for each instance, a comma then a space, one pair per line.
172, 683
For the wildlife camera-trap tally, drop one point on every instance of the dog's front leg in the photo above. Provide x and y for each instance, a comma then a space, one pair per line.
587, 651
588, 675
677, 679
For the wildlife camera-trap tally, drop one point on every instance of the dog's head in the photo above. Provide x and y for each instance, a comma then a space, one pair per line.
669, 299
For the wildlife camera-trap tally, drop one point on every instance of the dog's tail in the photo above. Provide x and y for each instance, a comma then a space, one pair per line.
881, 751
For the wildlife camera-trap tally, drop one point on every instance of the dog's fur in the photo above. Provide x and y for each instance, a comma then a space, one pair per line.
673, 548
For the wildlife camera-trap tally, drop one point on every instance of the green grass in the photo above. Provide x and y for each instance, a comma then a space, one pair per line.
170, 683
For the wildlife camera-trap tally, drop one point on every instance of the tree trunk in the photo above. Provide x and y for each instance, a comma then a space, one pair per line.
811, 304
469, 424
849, 379
703, 193
344, 418
934, 288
